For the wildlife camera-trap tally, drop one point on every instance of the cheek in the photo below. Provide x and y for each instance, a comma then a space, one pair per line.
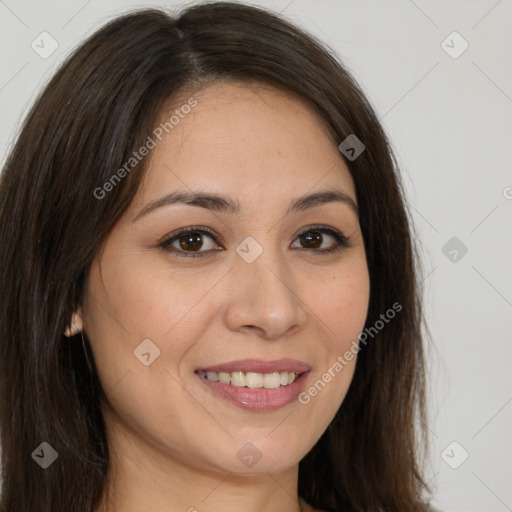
128, 306
131, 302
341, 304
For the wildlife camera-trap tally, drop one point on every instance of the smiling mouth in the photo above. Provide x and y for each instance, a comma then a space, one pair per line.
252, 380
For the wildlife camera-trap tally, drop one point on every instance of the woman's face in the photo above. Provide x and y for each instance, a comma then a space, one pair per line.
261, 293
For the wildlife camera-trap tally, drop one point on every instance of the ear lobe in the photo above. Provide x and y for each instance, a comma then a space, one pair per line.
75, 327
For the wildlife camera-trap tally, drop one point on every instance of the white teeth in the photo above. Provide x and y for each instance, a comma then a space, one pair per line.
223, 377
254, 380
238, 379
251, 379
271, 380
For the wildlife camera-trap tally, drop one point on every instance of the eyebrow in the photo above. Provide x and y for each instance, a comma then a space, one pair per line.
224, 204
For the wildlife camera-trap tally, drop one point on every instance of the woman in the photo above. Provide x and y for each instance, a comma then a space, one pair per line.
170, 165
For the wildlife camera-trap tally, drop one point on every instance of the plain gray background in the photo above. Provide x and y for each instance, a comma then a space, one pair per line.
449, 117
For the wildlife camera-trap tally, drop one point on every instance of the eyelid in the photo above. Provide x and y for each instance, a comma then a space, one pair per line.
342, 241
191, 229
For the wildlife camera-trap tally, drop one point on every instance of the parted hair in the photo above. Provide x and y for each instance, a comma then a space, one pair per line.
96, 110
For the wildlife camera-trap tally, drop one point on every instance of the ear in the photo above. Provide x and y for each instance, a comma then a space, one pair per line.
76, 324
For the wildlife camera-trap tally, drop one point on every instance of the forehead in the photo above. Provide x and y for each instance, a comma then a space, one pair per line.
247, 141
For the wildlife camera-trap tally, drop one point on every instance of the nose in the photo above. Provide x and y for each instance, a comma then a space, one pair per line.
263, 298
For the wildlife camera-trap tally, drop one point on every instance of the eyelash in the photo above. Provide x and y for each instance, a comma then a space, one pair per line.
341, 243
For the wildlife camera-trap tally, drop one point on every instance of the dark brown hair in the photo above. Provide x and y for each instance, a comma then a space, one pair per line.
99, 107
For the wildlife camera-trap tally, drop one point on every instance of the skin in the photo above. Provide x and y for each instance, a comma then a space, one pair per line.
173, 442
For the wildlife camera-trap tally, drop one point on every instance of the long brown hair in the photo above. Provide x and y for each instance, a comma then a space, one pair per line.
95, 112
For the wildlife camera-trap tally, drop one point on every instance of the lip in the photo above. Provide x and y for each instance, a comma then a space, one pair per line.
259, 366
257, 399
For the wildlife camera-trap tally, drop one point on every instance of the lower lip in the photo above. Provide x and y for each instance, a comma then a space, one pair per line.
258, 399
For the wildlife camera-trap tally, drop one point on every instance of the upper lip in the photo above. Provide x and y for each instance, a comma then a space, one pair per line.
259, 366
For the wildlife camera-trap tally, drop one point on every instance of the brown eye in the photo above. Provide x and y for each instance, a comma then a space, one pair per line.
193, 242
311, 239
190, 242
314, 237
